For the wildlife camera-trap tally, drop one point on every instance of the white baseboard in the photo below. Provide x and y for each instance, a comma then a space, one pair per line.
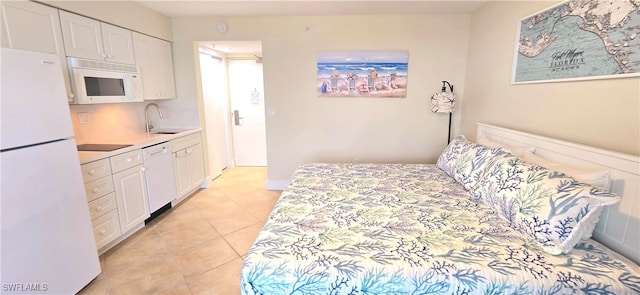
277, 185
206, 181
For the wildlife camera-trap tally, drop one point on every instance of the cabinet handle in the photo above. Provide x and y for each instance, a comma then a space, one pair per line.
92, 172
46, 62
104, 55
103, 231
99, 208
95, 190
129, 160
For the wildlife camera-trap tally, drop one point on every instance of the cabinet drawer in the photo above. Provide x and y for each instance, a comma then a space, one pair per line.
98, 188
94, 170
186, 141
188, 151
126, 160
106, 228
102, 205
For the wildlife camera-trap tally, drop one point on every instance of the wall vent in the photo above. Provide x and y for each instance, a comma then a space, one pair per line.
73, 62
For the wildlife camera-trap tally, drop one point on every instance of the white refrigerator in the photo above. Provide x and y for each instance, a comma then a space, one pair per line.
47, 244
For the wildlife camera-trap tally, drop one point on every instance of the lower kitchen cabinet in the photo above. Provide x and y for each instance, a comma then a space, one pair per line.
131, 197
117, 189
117, 194
102, 205
188, 161
98, 185
104, 210
106, 228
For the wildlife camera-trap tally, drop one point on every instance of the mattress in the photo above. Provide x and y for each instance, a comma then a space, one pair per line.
410, 229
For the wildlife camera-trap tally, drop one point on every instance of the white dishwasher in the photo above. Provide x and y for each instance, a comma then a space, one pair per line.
161, 184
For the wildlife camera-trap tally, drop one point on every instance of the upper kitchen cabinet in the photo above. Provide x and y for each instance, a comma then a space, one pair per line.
91, 39
31, 26
155, 61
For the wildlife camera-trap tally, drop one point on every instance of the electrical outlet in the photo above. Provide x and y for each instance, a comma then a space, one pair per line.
83, 118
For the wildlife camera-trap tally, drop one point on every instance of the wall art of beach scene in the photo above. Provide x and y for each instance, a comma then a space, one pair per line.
362, 73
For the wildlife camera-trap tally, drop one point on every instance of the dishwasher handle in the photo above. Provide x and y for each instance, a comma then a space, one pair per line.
163, 151
156, 150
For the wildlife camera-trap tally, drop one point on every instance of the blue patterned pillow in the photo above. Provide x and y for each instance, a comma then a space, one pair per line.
553, 209
466, 161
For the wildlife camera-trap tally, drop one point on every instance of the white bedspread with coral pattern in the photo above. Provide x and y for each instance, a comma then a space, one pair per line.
410, 229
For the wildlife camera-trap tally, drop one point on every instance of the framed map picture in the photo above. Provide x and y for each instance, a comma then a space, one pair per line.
362, 74
577, 40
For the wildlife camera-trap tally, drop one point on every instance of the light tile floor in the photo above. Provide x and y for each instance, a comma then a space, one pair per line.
196, 247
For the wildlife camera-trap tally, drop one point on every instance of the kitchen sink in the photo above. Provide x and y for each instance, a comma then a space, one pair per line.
169, 130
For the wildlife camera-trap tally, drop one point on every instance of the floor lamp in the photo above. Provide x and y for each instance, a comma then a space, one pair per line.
444, 102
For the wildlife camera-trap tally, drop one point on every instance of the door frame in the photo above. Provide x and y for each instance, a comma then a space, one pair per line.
218, 50
227, 159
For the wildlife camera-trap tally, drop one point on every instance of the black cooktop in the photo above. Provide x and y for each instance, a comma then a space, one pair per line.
92, 147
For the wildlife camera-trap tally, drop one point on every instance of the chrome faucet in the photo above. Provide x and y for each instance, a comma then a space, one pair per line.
147, 123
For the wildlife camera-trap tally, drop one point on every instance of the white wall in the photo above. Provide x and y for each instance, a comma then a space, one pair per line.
306, 128
107, 121
601, 113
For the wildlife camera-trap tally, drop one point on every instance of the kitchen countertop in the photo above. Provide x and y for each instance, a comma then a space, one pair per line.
138, 141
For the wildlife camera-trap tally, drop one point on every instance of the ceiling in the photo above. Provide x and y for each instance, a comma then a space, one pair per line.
299, 8
308, 7
234, 47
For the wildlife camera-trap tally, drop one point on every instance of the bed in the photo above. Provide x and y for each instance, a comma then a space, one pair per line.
352, 228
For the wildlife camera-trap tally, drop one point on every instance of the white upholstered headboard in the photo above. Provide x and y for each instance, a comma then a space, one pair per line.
619, 226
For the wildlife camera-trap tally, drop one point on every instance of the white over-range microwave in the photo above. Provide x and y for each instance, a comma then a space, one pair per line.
103, 82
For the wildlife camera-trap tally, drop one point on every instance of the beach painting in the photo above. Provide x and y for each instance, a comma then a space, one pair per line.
362, 74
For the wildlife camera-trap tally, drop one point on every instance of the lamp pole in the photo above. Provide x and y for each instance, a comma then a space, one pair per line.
449, 137
444, 89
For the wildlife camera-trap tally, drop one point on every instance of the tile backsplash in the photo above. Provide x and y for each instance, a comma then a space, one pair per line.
98, 123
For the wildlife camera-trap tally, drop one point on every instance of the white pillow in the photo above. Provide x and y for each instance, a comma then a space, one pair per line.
599, 178
465, 161
552, 208
516, 150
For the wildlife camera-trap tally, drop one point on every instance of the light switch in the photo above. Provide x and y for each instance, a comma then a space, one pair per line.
83, 118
